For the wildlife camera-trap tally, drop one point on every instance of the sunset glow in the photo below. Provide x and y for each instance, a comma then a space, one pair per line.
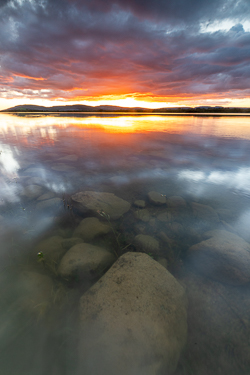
159, 54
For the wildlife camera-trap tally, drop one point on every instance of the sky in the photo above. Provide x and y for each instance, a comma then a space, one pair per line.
149, 53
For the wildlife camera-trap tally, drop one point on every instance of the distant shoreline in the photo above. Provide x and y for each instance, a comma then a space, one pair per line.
115, 113
107, 109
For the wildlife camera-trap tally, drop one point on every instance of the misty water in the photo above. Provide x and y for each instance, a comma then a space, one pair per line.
199, 165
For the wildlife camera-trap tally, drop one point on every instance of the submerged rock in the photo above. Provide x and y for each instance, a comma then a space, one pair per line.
219, 330
205, 213
224, 257
142, 215
133, 320
70, 242
91, 201
157, 198
52, 249
176, 202
49, 203
147, 244
32, 191
35, 292
85, 261
165, 216
140, 203
45, 196
60, 167
90, 228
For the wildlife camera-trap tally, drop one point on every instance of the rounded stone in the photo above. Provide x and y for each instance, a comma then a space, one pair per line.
140, 203
32, 192
157, 198
133, 320
94, 202
145, 243
224, 257
85, 261
90, 228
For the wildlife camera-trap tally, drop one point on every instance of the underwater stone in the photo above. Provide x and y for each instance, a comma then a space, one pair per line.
90, 228
70, 242
133, 320
146, 243
35, 292
205, 213
140, 203
49, 203
224, 257
51, 248
45, 196
85, 261
142, 215
32, 191
176, 202
91, 201
157, 198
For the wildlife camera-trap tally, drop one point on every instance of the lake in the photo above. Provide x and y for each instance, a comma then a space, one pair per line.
177, 189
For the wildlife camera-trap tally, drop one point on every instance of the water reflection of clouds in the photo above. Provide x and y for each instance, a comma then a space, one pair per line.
239, 179
8, 164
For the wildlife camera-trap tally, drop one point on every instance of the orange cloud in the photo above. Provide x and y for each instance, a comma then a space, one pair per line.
28, 77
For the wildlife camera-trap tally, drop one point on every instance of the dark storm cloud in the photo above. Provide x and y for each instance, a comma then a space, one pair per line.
78, 49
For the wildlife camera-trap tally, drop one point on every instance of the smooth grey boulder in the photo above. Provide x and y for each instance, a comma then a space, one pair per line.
146, 244
157, 198
91, 201
85, 261
133, 320
224, 257
90, 228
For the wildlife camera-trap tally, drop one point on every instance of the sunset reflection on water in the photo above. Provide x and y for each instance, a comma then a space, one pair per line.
199, 163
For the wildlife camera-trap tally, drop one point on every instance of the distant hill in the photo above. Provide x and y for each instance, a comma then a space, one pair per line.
73, 108
110, 108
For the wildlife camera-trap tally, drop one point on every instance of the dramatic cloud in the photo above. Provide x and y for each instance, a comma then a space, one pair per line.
76, 50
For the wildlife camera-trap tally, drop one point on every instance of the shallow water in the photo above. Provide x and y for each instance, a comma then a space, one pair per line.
45, 159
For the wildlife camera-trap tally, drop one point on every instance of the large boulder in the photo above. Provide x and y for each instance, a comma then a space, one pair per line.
91, 201
224, 257
85, 261
90, 228
133, 320
219, 331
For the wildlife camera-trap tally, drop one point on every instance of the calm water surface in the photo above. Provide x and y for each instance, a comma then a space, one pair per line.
202, 160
